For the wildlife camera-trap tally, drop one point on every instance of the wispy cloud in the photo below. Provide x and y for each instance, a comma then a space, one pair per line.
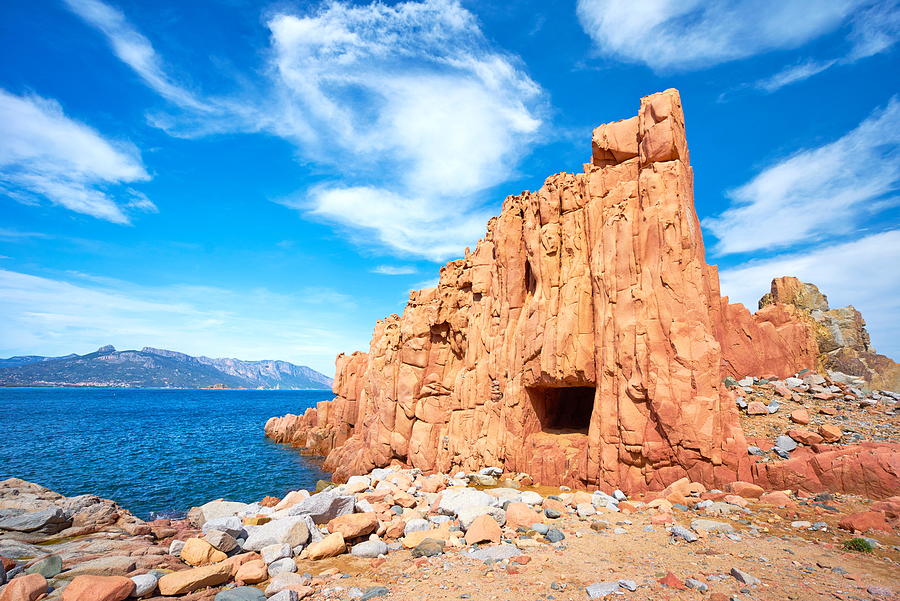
394, 269
134, 49
44, 315
378, 94
861, 272
792, 74
45, 154
874, 28
694, 34
816, 192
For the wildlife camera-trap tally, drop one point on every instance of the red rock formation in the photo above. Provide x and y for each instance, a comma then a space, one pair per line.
583, 341
841, 336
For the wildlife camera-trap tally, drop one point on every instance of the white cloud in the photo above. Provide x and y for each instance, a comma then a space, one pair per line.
394, 269
135, 50
412, 99
42, 315
793, 74
688, 34
816, 192
45, 153
862, 273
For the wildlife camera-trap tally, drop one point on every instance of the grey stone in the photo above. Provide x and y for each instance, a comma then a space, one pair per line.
530, 497
743, 577
599, 590
429, 547
230, 525
630, 585
454, 500
585, 510
683, 533
324, 506
241, 593
284, 580
275, 552
751, 450
285, 596
497, 553
781, 453
375, 591
467, 515
175, 547
416, 525
711, 526
551, 513
291, 530
222, 541
281, 566
144, 584
218, 509
115, 565
773, 407
554, 535
618, 495
369, 548
696, 585
786, 443
540, 528
491, 471
48, 521
48, 567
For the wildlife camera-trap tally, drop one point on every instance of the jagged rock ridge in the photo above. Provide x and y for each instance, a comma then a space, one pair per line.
584, 341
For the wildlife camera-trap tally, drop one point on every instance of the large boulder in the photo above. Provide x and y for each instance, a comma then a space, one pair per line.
198, 552
324, 506
24, 588
188, 581
354, 525
48, 521
98, 588
454, 500
291, 530
330, 546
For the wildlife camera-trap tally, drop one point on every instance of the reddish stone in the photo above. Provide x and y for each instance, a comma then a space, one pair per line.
805, 437
890, 507
7, 563
270, 501
98, 588
864, 521
24, 588
483, 529
748, 490
672, 581
354, 525
777, 498
757, 408
521, 559
520, 515
830, 432
828, 411
800, 416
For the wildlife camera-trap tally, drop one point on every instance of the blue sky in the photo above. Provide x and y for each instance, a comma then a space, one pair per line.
265, 180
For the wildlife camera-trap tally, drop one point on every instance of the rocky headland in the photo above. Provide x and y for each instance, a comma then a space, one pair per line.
574, 412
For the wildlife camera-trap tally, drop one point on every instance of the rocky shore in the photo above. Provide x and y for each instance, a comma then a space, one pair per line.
401, 534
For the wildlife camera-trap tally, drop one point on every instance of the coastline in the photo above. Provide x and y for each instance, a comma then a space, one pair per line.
398, 533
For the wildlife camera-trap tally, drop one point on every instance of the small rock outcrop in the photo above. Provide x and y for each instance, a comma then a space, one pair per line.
583, 341
841, 335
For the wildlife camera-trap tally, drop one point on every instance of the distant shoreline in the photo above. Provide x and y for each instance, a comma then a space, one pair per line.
107, 387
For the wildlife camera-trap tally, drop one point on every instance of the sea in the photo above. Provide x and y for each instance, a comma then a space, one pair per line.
156, 452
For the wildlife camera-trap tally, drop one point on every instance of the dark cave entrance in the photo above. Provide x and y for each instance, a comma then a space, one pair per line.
563, 410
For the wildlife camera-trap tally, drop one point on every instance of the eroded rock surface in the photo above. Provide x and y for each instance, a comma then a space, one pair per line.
841, 334
583, 341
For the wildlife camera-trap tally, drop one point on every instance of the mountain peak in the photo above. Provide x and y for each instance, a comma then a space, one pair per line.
107, 349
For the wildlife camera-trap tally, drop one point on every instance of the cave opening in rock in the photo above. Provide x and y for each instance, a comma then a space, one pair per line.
563, 410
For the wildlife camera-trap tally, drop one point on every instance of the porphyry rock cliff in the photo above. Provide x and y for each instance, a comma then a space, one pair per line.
841, 335
583, 341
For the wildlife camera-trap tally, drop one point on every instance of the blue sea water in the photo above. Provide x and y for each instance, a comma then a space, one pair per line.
153, 450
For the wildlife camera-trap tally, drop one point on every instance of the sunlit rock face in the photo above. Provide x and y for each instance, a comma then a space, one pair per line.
583, 341
841, 334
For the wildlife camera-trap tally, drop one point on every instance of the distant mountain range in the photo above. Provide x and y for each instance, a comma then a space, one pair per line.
157, 368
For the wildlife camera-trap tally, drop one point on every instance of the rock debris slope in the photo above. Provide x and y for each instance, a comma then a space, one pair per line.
584, 341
